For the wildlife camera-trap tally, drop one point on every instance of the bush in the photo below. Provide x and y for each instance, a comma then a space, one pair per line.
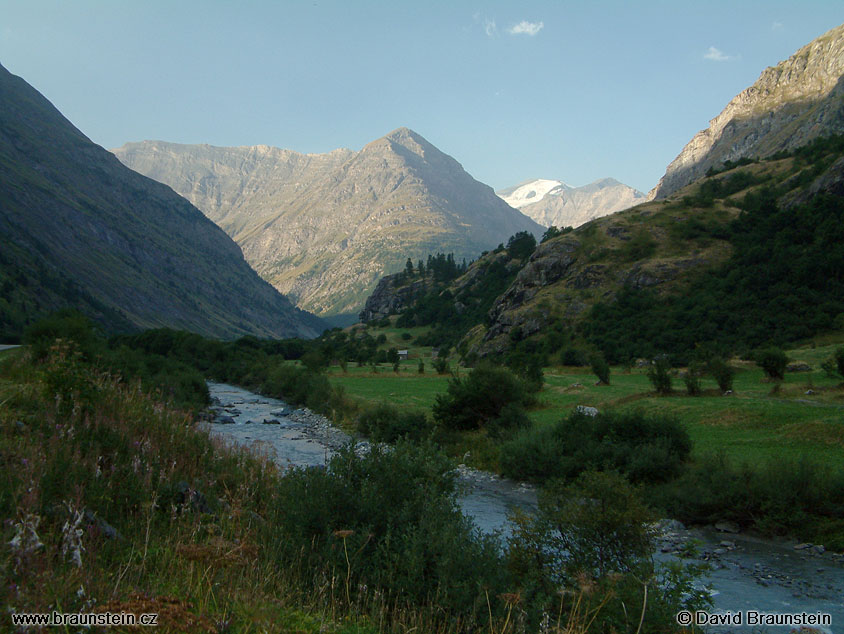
834, 366
66, 324
440, 365
575, 357
692, 380
644, 448
659, 375
723, 373
480, 398
773, 362
601, 369
385, 423
394, 513
797, 497
591, 538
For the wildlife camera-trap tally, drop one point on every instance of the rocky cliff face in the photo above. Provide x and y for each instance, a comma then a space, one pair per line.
791, 103
554, 203
391, 296
81, 230
325, 228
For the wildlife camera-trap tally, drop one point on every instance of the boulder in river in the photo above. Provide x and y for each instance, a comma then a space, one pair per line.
727, 527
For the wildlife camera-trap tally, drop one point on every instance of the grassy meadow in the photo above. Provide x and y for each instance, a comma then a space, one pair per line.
761, 420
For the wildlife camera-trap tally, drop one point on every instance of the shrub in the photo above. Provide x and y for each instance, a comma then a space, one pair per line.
395, 514
640, 246
575, 357
511, 418
440, 365
601, 369
478, 399
834, 366
591, 538
66, 324
385, 423
722, 372
692, 380
773, 362
659, 375
645, 448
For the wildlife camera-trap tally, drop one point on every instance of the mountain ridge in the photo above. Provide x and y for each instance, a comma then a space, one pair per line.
325, 236
799, 99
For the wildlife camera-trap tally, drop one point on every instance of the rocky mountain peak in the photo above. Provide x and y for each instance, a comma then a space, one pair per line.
797, 100
326, 227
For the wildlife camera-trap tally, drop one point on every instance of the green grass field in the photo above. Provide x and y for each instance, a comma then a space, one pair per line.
752, 425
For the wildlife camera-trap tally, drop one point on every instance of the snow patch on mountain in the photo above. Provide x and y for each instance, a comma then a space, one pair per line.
529, 192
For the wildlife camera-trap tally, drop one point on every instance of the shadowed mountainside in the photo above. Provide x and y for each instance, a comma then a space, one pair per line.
81, 230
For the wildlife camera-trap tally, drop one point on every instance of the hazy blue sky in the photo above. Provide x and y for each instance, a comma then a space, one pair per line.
512, 90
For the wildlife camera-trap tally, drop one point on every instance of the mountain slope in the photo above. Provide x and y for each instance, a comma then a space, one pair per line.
80, 229
553, 203
790, 104
748, 256
326, 230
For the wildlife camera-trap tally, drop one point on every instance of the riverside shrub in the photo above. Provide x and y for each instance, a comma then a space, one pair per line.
644, 448
395, 515
385, 423
479, 399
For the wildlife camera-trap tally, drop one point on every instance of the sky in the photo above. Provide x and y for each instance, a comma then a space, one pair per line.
558, 89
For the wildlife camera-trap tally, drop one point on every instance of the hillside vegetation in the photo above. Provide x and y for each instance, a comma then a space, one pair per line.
750, 255
119, 500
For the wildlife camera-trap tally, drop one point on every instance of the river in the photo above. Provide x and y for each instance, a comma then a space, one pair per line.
748, 573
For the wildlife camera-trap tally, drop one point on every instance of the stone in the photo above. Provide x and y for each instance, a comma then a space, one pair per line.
105, 529
798, 367
186, 495
803, 546
225, 420
669, 526
727, 527
818, 549
586, 410
271, 421
727, 544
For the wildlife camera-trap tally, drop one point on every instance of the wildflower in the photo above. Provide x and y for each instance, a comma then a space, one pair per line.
26, 540
72, 537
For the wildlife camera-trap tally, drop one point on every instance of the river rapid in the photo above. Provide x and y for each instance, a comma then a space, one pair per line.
748, 573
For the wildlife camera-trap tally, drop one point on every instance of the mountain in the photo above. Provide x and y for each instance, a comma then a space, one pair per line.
324, 228
797, 100
81, 230
747, 256
553, 203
